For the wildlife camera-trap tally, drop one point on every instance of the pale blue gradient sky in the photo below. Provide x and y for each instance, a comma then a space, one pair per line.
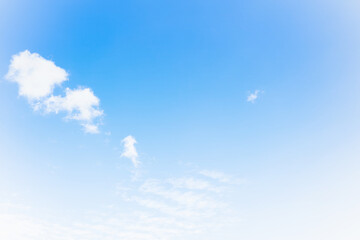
176, 75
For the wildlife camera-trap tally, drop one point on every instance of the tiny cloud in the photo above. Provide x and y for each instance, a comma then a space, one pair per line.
37, 77
130, 150
253, 96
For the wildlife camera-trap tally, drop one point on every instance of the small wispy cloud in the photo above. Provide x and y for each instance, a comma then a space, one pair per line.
184, 198
192, 184
37, 78
253, 96
221, 177
130, 150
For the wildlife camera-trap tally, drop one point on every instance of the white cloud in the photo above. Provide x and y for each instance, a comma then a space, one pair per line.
90, 128
221, 177
253, 96
189, 213
189, 199
193, 184
80, 104
130, 150
155, 209
37, 78
35, 75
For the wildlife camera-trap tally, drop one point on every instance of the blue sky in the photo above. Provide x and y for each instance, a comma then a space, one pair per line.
179, 120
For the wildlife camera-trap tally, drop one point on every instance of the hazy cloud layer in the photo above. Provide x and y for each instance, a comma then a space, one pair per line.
156, 209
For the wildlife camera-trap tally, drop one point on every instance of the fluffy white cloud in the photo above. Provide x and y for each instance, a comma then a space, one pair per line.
80, 104
35, 75
130, 150
253, 96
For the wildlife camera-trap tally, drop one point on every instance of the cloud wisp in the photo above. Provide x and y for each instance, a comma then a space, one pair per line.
221, 177
37, 78
130, 150
188, 210
253, 96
